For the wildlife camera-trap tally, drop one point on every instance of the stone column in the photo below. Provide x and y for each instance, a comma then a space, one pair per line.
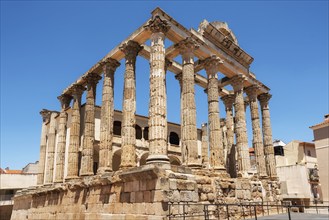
182, 138
107, 114
73, 161
231, 151
45, 114
204, 145
128, 158
188, 107
257, 140
224, 137
51, 148
240, 127
60, 157
267, 135
87, 159
215, 136
158, 97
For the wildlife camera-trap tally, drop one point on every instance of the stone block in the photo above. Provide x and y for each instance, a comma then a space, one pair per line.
139, 197
147, 196
128, 187
186, 196
162, 183
142, 185
211, 196
125, 197
135, 186
150, 184
173, 184
174, 196
132, 197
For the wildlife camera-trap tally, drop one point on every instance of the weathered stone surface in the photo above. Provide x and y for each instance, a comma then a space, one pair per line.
257, 135
51, 148
72, 168
128, 158
158, 97
215, 138
107, 114
240, 127
231, 151
87, 159
267, 135
188, 107
45, 114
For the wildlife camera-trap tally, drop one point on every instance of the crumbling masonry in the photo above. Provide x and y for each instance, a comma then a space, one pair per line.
98, 163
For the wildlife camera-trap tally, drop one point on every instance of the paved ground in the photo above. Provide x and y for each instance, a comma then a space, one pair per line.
295, 216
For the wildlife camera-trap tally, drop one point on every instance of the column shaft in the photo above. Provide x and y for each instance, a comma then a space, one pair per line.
240, 127
87, 160
60, 156
215, 136
128, 158
51, 148
43, 145
73, 156
231, 148
158, 96
188, 124
256, 132
204, 145
267, 135
107, 114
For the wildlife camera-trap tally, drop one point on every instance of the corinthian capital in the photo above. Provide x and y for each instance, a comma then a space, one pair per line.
157, 25
130, 49
77, 90
228, 101
65, 100
45, 114
264, 98
91, 79
187, 46
211, 64
110, 65
252, 92
237, 82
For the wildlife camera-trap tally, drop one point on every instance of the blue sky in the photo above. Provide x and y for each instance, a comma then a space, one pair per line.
45, 46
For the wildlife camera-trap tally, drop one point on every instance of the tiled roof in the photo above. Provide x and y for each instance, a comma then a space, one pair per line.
326, 121
11, 171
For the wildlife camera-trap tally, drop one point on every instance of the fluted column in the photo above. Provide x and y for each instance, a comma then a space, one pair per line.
73, 156
240, 127
107, 114
231, 148
215, 136
188, 124
45, 114
257, 140
182, 138
51, 148
60, 155
267, 135
223, 130
128, 158
158, 97
87, 159
204, 145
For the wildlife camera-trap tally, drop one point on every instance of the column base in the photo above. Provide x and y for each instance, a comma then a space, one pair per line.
157, 159
194, 165
102, 170
72, 177
87, 174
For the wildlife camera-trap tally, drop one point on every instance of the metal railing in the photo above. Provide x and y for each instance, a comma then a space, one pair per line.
223, 211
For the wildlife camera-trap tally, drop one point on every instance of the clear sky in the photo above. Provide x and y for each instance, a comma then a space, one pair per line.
46, 46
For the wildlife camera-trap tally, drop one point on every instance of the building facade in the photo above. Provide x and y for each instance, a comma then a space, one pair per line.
121, 164
298, 173
321, 141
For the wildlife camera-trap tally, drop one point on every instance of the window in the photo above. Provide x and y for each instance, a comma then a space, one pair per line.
138, 132
117, 128
146, 133
278, 150
173, 138
308, 153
